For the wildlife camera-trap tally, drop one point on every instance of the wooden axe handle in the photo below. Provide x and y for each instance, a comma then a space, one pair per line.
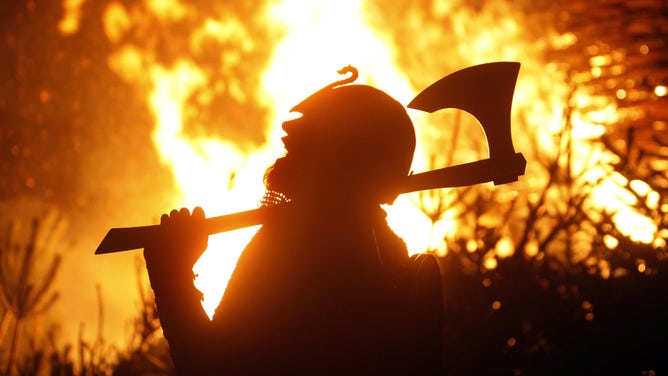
129, 238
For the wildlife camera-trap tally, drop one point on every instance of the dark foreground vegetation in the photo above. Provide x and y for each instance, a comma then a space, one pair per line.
527, 316
524, 318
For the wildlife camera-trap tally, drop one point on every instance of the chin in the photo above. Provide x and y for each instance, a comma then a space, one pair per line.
281, 177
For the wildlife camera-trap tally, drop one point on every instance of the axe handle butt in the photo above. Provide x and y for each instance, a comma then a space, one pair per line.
129, 238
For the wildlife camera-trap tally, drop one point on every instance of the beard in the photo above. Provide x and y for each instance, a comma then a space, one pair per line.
281, 178
291, 178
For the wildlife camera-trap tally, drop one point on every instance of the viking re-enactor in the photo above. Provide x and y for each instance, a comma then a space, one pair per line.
324, 287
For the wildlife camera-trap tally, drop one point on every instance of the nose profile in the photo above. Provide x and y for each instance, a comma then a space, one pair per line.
291, 119
299, 131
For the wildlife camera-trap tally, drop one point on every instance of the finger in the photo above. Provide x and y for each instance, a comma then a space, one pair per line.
198, 212
164, 219
184, 212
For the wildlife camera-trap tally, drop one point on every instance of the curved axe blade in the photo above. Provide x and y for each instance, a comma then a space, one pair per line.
486, 92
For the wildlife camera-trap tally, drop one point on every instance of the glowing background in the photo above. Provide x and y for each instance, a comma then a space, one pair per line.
114, 112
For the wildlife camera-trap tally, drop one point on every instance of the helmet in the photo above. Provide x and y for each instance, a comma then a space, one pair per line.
367, 135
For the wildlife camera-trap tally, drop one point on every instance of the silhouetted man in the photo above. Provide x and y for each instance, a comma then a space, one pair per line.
322, 288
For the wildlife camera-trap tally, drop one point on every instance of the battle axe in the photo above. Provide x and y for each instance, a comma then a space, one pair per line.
485, 91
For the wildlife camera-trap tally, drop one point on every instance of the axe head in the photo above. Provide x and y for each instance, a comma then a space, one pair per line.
486, 92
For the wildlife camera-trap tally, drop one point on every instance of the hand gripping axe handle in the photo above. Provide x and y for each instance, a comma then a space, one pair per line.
485, 91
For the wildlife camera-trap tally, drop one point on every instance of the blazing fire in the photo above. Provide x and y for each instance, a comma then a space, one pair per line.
204, 167
115, 111
316, 39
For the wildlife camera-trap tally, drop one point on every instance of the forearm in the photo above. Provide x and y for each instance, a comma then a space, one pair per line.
186, 326
169, 263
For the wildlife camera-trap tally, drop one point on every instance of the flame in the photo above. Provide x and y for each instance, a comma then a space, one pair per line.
320, 37
314, 47
69, 24
203, 167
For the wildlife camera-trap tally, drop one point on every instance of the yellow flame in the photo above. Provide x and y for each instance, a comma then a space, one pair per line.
504, 247
116, 21
315, 45
202, 167
167, 9
69, 24
319, 38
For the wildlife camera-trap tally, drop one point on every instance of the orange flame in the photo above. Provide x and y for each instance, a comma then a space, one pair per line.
203, 166
323, 36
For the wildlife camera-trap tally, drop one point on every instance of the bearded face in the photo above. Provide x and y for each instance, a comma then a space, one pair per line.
311, 163
290, 173
352, 142
281, 177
